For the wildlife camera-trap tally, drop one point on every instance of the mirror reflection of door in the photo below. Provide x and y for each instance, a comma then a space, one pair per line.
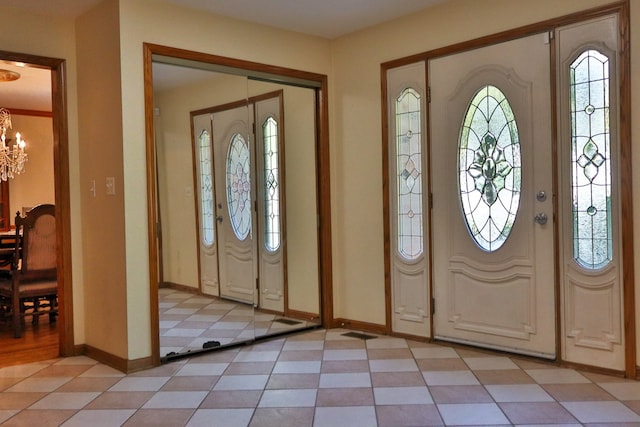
225, 229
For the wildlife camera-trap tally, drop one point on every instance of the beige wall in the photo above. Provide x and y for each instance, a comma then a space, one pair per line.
35, 185
150, 21
103, 220
55, 37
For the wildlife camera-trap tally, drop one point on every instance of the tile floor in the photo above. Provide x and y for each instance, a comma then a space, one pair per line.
318, 378
187, 321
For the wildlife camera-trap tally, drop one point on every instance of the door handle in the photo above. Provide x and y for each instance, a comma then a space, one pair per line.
541, 218
219, 218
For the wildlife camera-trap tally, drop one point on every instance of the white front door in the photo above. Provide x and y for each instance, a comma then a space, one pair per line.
491, 179
235, 203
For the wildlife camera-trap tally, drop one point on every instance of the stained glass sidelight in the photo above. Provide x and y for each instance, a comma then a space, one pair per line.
591, 160
489, 168
271, 185
409, 174
206, 188
239, 186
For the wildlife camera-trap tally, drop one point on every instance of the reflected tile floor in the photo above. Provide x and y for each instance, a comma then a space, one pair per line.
319, 378
188, 321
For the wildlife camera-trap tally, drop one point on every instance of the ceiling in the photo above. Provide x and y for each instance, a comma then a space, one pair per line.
324, 18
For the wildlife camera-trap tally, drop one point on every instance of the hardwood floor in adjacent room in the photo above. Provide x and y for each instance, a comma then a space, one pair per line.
37, 343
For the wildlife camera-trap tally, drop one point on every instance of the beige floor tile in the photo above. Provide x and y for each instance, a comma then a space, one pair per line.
289, 381
40, 418
408, 415
20, 400
460, 394
362, 396
452, 364
160, 418
120, 400
88, 384
537, 413
338, 366
249, 368
389, 353
300, 355
231, 399
346, 344
62, 371
508, 376
196, 383
397, 379
577, 392
282, 417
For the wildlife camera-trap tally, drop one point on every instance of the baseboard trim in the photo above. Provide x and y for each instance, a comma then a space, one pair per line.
359, 326
303, 315
125, 365
179, 287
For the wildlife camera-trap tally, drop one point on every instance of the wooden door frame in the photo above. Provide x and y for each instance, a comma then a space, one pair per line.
61, 187
323, 190
620, 8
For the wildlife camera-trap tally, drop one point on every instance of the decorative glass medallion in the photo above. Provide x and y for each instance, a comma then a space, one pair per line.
489, 168
591, 160
409, 174
206, 188
239, 186
271, 185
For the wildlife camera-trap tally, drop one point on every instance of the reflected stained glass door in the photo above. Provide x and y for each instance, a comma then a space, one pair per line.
235, 215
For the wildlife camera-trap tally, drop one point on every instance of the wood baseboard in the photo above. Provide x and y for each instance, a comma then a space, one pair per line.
116, 362
359, 326
303, 315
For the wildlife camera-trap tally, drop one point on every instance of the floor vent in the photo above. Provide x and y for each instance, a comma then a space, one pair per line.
359, 335
287, 321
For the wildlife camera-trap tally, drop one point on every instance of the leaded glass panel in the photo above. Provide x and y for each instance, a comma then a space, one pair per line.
206, 188
409, 174
489, 168
271, 185
591, 160
239, 186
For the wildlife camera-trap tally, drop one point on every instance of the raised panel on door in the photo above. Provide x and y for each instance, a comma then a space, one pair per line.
205, 198
493, 263
235, 197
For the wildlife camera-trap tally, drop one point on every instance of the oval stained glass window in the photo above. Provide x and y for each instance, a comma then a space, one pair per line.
489, 168
239, 186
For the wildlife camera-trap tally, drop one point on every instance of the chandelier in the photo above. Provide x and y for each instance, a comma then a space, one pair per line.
12, 158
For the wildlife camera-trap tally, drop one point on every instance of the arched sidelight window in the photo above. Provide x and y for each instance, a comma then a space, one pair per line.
272, 236
206, 189
409, 174
239, 186
489, 168
591, 160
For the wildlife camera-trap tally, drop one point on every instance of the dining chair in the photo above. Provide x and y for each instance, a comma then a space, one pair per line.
31, 287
